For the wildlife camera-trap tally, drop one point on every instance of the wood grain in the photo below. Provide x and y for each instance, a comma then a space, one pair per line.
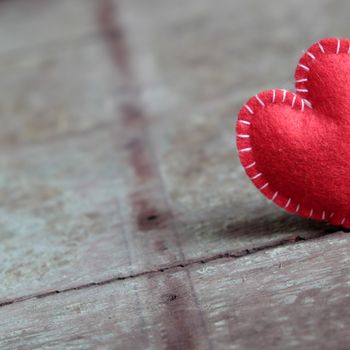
53, 94
29, 25
290, 297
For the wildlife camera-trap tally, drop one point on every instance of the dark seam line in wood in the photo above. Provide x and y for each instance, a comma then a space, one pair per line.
121, 54
172, 268
175, 230
104, 12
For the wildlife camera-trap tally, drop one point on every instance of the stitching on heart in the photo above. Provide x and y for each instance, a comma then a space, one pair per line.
269, 192
322, 50
246, 135
303, 90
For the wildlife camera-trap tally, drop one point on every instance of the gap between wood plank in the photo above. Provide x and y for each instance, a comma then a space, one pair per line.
174, 267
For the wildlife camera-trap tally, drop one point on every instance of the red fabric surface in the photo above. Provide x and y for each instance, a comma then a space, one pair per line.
295, 147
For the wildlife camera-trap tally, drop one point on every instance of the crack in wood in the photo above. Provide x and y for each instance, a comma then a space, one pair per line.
175, 267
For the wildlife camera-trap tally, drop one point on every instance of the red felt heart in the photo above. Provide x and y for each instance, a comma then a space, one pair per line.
295, 147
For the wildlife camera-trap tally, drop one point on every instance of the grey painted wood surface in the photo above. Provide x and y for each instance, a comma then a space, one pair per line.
291, 297
118, 170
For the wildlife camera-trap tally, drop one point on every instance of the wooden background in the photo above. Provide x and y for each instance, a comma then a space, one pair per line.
126, 221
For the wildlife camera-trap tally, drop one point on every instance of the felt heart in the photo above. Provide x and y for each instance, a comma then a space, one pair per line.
295, 147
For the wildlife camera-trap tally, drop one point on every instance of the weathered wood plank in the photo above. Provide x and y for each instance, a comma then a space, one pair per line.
59, 217
145, 313
225, 51
55, 93
27, 24
291, 297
